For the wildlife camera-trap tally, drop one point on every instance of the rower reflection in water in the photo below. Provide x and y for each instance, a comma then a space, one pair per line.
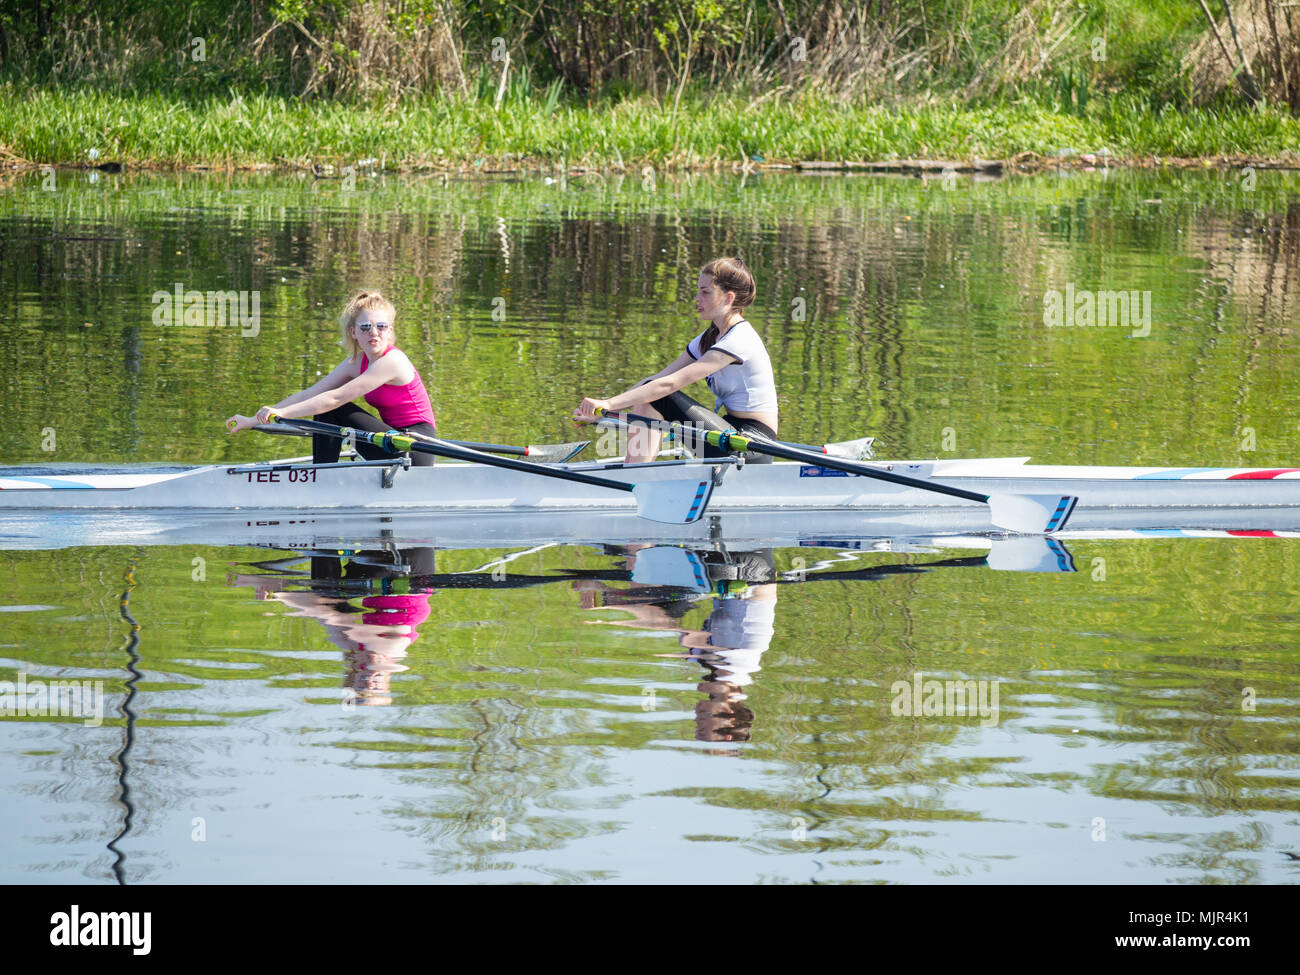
376, 369
375, 638
729, 355
729, 645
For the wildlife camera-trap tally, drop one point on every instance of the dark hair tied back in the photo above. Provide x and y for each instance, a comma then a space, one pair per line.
729, 274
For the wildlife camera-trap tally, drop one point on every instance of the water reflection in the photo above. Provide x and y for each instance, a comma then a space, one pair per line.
375, 636
729, 645
666, 582
891, 309
370, 603
129, 720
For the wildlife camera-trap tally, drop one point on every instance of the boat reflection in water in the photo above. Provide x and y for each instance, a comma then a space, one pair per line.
374, 637
668, 581
730, 644
372, 601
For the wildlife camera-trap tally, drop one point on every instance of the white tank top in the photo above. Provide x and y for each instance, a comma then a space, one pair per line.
746, 385
740, 630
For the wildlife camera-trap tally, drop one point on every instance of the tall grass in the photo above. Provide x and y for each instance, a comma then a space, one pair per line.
391, 49
676, 83
78, 126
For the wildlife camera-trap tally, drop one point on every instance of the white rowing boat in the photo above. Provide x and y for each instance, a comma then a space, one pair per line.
1108, 497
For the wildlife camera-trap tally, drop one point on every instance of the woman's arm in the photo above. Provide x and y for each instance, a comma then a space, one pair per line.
683, 371
339, 387
681, 362
309, 403
341, 374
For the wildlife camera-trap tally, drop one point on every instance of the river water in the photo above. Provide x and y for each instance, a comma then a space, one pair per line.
384, 710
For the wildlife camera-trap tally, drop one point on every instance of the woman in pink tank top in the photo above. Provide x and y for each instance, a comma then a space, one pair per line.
374, 369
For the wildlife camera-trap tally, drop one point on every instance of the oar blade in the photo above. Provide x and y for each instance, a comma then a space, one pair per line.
1030, 555
680, 501
860, 449
667, 565
1032, 514
555, 453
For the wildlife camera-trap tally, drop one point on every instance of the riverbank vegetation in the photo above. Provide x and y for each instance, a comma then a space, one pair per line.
628, 83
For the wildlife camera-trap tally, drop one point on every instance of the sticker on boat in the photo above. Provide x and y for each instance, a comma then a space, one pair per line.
810, 470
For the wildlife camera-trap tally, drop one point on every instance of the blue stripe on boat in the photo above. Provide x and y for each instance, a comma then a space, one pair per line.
1175, 474
47, 482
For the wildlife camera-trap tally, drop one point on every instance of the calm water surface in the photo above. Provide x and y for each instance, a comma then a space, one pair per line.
537, 712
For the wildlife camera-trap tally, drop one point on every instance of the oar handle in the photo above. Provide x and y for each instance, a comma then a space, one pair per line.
396, 442
731, 440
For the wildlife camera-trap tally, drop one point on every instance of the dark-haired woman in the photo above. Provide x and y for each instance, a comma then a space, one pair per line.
728, 354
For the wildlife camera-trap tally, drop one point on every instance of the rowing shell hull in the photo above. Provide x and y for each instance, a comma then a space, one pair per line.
1109, 497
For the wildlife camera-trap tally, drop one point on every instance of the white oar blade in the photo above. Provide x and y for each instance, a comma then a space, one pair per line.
1029, 555
555, 453
680, 501
667, 565
1032, 514
859, 449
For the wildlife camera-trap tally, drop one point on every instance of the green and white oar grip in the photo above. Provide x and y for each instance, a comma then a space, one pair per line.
727, 441
723, 440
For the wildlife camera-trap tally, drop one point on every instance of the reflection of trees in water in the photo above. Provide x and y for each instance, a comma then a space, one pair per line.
597, 282
1253, 258
516, 780
1203, 753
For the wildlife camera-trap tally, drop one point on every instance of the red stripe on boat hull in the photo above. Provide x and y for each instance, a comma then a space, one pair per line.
1261, 475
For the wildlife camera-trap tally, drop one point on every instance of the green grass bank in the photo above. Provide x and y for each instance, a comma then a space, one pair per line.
71, 127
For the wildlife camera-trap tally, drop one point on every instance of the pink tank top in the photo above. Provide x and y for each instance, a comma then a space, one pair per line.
401, 406
409, 609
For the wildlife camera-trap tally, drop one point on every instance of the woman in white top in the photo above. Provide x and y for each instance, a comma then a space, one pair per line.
728, 354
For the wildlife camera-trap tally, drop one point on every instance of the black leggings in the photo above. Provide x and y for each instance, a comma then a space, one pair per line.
680, 407
325, 450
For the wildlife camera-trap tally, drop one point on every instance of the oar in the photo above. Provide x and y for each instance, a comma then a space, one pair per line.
859, 449
679, 501
1035, 514
546, 453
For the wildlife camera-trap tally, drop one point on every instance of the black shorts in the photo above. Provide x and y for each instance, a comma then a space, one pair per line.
325, 450
681, 408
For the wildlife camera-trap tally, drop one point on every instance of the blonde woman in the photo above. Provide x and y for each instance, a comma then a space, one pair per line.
375, 369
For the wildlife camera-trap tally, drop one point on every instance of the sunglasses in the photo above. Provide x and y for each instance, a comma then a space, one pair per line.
377, 326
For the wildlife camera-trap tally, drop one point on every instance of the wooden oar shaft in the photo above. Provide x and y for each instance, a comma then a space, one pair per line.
400, 443
735, 441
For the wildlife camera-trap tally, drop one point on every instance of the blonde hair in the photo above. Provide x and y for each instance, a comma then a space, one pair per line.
359, 302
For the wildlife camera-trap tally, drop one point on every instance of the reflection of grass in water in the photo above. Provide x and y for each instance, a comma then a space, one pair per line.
923, 307
525, 720
64, 126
